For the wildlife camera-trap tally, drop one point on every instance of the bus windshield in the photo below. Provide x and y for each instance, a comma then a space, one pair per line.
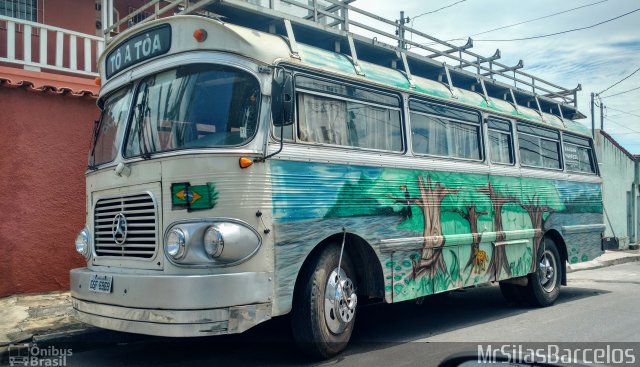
193, 106
114, 115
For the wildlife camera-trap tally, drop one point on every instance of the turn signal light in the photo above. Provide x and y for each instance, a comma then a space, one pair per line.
245, 162
200, 35
98, 81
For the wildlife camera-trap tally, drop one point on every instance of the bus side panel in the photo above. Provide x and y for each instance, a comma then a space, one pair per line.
579, 219
514, 237
443, 230
314, 201
423, 218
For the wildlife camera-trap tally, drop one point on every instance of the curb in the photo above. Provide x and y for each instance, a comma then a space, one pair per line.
77, 339
597, 264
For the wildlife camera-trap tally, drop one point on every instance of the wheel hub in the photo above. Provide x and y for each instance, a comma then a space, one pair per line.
340, 301
546, 271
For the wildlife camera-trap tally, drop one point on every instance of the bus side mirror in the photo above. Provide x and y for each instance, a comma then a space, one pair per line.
282, 97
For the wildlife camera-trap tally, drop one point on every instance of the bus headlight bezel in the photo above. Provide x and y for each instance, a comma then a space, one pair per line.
82, 242
214, 242
175, 245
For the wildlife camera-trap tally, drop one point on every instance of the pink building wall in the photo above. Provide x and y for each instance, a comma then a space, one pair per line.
45, 139
45, 134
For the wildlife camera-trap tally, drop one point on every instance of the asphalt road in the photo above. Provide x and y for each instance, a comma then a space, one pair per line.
600, 305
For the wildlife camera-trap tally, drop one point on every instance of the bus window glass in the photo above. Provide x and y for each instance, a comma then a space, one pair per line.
347, 91
578, 156
114, 115
500, 142
550, 154
539, 147
337, 122
193, 106
530, 150
500, 147
286, 130
442, 137
444, 111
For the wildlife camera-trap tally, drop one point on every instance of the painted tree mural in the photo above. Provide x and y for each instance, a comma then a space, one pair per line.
429, 201
537, 212
498, 199
471, 214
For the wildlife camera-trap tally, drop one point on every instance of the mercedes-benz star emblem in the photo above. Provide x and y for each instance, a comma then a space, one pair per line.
119, 229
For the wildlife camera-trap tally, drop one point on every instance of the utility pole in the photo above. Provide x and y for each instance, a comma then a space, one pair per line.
400, 30
593, 118
601, 116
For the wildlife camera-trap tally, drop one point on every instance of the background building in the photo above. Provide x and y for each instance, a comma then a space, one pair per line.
48, 52
620, 191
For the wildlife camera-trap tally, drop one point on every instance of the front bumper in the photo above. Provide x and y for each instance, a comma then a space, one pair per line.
176, 305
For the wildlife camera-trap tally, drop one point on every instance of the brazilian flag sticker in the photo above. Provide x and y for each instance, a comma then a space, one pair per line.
193, 197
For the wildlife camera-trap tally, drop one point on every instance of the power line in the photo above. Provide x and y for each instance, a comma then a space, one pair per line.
617, 94
557, 33
620, 81
437, 10
621, 111
622, 126
431, 12
540, 18
520, 23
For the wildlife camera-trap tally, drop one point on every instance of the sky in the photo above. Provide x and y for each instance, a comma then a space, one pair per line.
596, 58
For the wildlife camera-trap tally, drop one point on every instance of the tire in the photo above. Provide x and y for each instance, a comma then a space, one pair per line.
321, 326
544, 283
512, 292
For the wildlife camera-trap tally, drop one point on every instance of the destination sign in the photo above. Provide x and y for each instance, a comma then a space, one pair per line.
143, 46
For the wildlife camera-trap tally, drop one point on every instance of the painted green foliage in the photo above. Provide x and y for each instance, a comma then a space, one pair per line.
456, 207
360, 198
449, 222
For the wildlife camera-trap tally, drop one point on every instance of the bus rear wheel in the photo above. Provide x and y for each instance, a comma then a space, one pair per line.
324, 304
544, 283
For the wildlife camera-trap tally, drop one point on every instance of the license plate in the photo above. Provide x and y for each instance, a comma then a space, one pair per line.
100, 283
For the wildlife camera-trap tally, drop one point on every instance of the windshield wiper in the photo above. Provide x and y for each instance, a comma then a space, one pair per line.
94, 140
142, 112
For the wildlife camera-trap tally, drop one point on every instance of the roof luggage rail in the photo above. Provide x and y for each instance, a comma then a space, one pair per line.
338, 26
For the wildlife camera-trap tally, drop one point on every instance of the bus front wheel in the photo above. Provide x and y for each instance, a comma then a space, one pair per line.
544, 283
324, 306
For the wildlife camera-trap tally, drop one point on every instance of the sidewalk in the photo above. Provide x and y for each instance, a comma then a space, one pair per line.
41, 317
609, 258
25, 318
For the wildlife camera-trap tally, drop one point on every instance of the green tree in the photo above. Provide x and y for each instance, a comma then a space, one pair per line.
429, 202
498, 199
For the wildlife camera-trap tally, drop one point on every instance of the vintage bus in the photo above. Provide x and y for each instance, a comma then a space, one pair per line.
238, 175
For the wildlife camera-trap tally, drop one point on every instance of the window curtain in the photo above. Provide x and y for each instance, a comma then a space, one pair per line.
373, 128
322, 120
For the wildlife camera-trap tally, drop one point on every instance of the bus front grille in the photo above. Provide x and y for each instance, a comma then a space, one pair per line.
125, 226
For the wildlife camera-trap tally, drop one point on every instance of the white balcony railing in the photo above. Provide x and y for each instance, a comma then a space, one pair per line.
48, 48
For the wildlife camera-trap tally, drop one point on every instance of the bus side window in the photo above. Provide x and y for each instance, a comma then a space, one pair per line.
578, 155
443, 131
539, 147
500, 142
348, 123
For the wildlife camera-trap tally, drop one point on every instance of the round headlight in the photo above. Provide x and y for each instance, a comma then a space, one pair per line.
82, 242
213, 242
175, 243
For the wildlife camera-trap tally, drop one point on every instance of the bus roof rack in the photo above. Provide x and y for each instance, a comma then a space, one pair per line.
338, 26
